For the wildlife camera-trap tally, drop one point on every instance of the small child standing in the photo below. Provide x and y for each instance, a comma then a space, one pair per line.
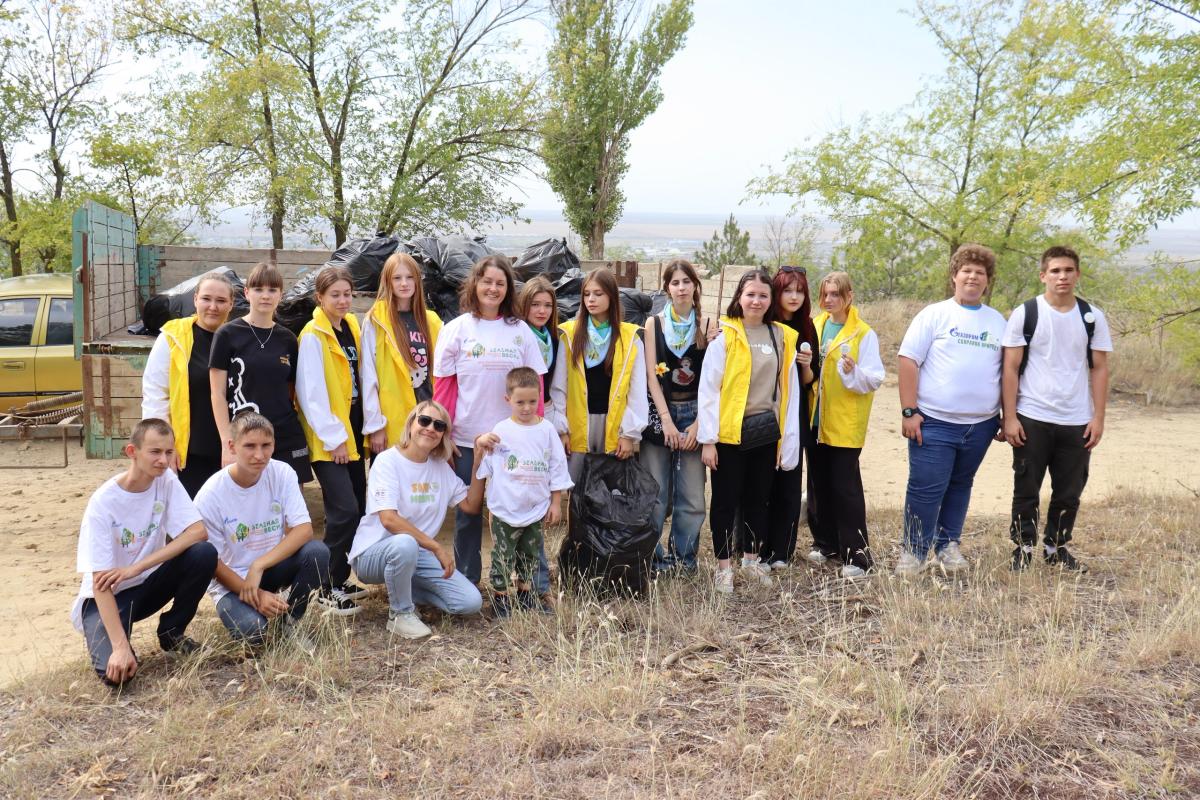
526, 473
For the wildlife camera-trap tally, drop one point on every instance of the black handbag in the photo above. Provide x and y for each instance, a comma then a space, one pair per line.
763, 428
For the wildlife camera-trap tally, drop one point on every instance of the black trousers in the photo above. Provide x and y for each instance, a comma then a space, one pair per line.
180, 581
199, 469
841, 529
787, 490
344, 492
742, 481
1060, 449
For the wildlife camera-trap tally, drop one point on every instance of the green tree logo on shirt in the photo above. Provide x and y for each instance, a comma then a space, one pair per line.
511, 463
127, 537
241, 532
478, 350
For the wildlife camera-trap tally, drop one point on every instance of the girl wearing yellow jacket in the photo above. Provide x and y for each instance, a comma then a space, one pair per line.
840, 406
749, 423
329, 394
600, 377
398, 341
175, 383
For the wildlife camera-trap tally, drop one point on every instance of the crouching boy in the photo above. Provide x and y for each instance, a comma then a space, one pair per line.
130, 570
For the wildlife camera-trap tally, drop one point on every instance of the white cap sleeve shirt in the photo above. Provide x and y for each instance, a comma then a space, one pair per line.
419, 492
243, 523
1056, 387
958, 351
121, 528
522, 471
480, 352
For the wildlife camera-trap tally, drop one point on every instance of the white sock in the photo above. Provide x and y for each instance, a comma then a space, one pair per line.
1051, 549
748, 561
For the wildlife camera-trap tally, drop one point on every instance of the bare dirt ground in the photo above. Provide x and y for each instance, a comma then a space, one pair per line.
1144, 449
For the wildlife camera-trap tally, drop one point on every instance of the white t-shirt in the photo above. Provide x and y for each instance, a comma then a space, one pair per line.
481, 353
522, 471
1055, 387
120, 528
959, 355
244, 523
421, 493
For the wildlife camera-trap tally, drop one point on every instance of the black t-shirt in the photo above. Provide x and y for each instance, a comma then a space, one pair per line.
261, 367
421, 381
345, 338
204, 439
599, 383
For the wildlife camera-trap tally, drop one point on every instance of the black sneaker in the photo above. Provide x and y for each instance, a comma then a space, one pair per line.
531, 601
1021, 559
331, 602
350, 591
503, 605
181, 646
1062, 558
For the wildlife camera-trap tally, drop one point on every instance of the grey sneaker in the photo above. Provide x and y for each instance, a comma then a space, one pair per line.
853, 572
756, 571
951, 559
815, 556
408, 625
909, 565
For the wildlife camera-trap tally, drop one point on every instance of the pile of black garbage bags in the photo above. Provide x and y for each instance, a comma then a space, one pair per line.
445, 263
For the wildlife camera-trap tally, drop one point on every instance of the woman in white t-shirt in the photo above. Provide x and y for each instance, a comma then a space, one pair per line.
474, 354
257, 520
410, 488
950, 395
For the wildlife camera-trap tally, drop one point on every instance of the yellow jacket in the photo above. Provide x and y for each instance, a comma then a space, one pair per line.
180, 338
844, 410
387, 383
628, 407
338, 383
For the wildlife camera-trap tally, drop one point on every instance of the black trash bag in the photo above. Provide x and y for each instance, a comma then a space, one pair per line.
550, 258
658, 301
611, 537
636, 305
568, 290
296, 308
445, 263
179, 301
365, 259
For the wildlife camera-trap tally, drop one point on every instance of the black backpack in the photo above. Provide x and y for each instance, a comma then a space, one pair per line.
1031, 320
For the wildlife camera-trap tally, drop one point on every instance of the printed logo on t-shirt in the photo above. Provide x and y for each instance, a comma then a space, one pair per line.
242, 531
477, 351
983, 340
683, 375
239, 401
518, 340
496, 356
128, 537
510, 463
424, 492
286, 360
276, 508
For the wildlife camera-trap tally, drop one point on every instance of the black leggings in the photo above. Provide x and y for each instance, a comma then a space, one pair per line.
841, 507
742, 481
344, 490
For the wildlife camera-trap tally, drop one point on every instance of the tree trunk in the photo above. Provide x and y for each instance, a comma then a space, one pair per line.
341, 226
275, 202
10, 211
595, 240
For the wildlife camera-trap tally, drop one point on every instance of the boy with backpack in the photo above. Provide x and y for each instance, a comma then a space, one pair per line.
1054, 393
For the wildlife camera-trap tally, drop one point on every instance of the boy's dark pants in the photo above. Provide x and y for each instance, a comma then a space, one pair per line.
1059, 448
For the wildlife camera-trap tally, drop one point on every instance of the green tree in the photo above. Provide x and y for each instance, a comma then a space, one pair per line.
791, 240
1010, 142
729, 246
604, 82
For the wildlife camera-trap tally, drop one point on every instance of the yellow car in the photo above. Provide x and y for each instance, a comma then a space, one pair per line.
37, 349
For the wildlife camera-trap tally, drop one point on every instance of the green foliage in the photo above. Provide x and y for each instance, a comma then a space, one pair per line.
603, 85
729, 246
791, 240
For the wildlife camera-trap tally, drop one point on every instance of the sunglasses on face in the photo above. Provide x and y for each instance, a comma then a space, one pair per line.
797, 270
439, 425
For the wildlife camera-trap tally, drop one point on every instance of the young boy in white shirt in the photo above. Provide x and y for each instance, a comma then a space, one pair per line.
260, 527
526, 473
1054, 391
130, 570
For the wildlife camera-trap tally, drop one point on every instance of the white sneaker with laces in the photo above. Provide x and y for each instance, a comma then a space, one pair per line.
723, 580
908, 565
951, 558
408, 625
853, 572
756, 570
816, 557
779, 565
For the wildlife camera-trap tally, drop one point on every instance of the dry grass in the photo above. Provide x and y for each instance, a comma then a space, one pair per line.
1143, 365
1037, 685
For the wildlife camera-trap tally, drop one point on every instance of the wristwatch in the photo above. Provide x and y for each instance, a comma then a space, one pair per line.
908, 412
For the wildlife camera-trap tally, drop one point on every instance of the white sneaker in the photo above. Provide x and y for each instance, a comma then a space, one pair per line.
779, 566
723, 580
852, 572
951, 558
408, 625
756, 570
909, 565
816, 557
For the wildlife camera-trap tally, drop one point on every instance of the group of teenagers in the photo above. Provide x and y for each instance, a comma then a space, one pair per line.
507, 401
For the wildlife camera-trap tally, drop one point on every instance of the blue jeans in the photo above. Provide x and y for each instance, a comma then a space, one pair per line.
940, 474
302, 572
412, 574
680, 476
468, 534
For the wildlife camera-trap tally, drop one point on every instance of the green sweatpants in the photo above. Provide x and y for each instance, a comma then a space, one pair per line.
514, 548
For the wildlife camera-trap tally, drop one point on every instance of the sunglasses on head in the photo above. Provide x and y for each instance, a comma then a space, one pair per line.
798, 270
439, 425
